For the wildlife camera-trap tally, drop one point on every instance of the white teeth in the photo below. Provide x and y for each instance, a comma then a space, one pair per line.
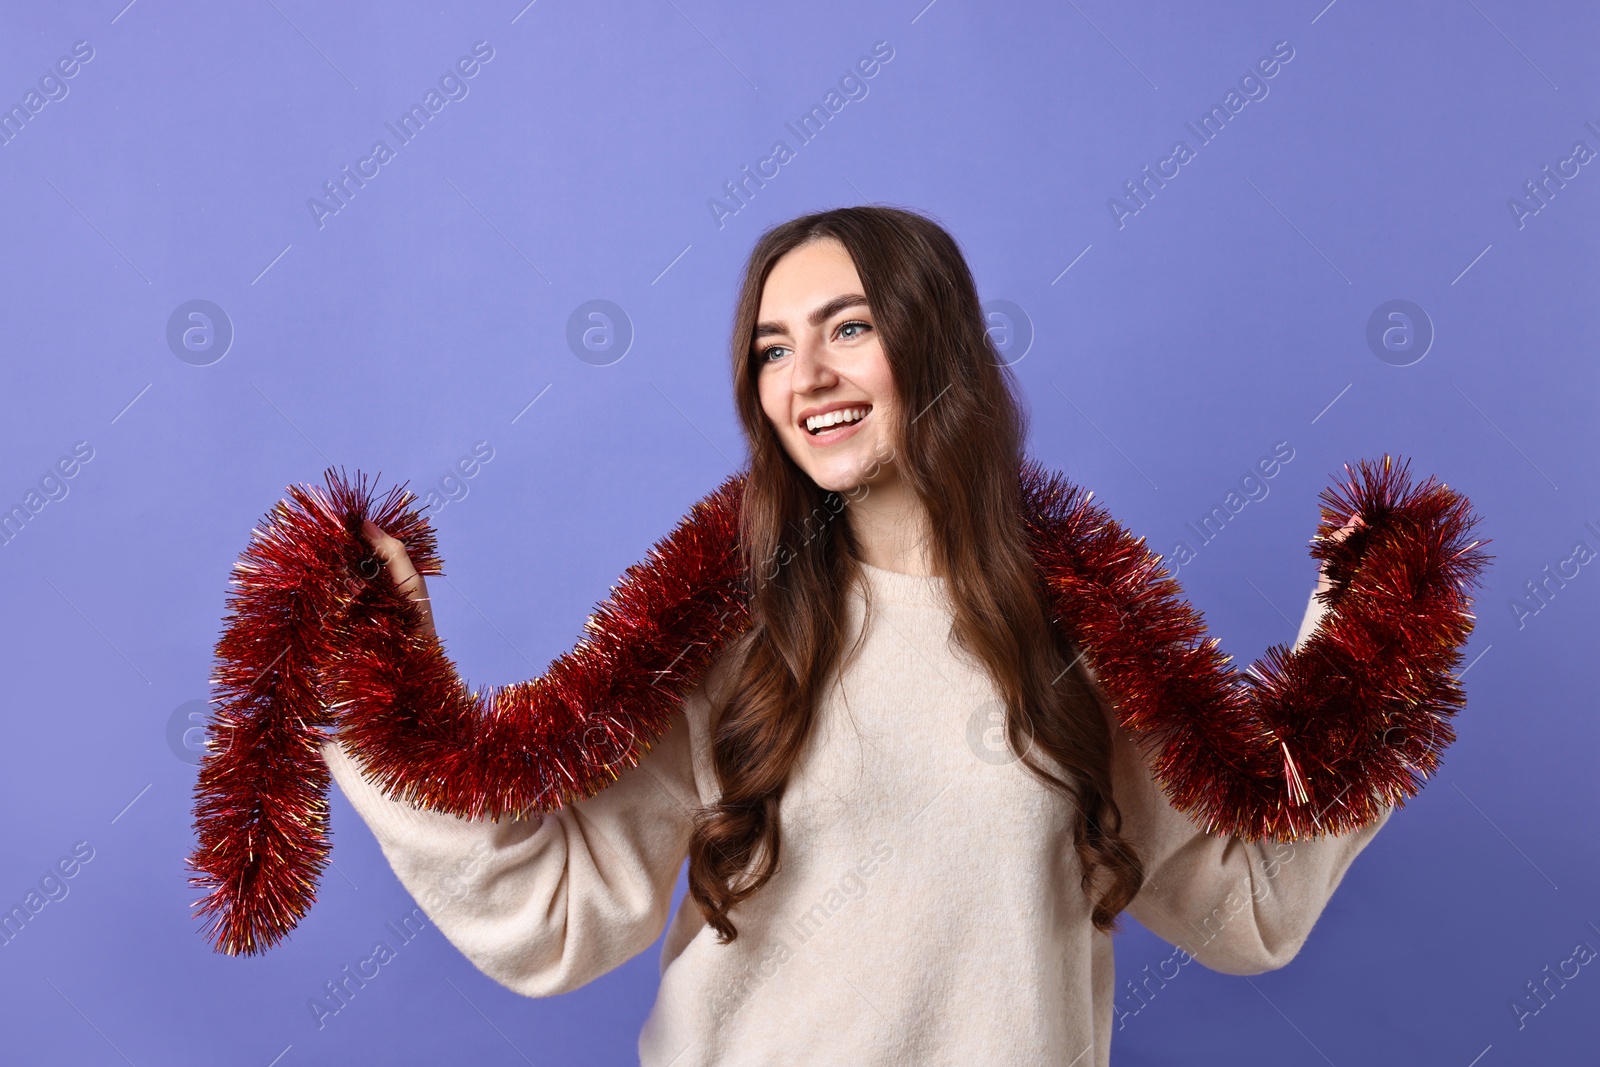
832, 418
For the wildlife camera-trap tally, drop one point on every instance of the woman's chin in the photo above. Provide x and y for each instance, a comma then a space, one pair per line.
830, 484
849, 467
849, 479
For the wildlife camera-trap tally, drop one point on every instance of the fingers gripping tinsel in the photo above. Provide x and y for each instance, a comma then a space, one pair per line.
1307, 742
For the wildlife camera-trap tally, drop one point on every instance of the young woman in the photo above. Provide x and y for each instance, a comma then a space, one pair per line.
911, 818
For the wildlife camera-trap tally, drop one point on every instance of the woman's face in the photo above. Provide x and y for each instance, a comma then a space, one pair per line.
821, 366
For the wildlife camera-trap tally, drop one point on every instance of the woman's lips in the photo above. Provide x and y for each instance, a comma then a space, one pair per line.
836, 433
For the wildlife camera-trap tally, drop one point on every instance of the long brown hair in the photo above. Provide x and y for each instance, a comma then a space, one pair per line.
960, 452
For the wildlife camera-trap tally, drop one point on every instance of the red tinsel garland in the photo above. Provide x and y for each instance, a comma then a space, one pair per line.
1308, 742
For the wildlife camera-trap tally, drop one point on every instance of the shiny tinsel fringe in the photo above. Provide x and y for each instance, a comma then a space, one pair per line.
1302, 743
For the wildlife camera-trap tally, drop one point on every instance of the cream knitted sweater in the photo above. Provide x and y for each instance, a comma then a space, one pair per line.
927, 908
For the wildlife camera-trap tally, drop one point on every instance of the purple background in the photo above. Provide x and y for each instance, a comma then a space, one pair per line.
1230, 313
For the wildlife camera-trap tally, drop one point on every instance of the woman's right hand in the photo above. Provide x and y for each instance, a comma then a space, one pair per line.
393, 553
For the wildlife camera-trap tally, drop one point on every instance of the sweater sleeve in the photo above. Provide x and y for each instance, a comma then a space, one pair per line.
1238, 907
546, 904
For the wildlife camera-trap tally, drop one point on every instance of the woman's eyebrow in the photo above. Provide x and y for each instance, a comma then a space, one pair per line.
817, 317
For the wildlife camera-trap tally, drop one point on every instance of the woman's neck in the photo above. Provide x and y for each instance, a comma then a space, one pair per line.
890, 527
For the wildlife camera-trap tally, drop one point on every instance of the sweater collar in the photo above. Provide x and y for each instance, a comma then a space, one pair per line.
896, 588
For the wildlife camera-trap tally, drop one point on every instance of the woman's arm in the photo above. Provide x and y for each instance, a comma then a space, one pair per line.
546, 904
1238, 907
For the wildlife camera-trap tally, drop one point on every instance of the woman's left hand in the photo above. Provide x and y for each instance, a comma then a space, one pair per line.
1338, 535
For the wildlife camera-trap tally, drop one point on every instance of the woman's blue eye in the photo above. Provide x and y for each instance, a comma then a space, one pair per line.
775, 352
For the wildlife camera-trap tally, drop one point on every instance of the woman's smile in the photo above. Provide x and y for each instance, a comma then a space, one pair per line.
833, 423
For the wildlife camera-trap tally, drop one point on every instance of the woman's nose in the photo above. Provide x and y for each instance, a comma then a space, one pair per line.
811, 369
